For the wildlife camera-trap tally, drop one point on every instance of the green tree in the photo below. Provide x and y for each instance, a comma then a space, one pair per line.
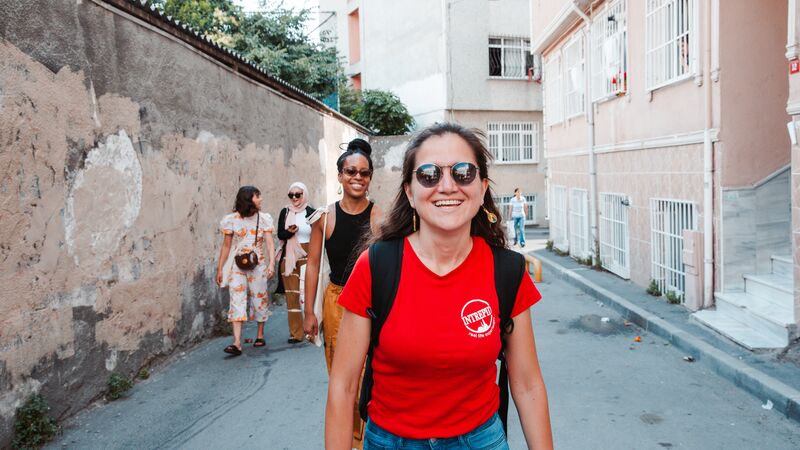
383, 112
275, 39
217, 19
349, 99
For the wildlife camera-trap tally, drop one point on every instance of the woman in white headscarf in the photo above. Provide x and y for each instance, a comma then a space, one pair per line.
295, 233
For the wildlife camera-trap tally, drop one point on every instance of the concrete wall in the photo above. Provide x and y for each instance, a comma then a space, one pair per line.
753, 102
793, 107
121, 150
404, 52
468, 41
387, 156
641, 175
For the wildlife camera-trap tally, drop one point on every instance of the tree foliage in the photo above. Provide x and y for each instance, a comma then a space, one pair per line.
272, 37
275, 39
383, 112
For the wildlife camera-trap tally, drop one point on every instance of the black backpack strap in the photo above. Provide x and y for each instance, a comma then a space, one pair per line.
385, 262
509, 268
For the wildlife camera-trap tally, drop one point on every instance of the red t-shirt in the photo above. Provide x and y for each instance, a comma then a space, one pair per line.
434, 370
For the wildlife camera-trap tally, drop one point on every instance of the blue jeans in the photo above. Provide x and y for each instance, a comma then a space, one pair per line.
519, 230
488, 436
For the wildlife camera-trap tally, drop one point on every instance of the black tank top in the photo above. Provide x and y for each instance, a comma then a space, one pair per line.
348, 232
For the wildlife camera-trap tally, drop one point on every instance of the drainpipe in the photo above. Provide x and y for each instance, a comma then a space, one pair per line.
708, 169
587, 34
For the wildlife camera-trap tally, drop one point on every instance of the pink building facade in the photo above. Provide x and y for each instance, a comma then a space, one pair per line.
669, 161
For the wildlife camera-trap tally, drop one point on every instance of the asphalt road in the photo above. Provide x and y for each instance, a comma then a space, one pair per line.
606, 392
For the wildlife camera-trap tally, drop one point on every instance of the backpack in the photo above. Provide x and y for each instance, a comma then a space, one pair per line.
385, 262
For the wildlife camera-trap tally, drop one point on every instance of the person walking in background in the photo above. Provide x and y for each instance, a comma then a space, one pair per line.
433, 361
518, 209
294, 232
348, 223
244, 270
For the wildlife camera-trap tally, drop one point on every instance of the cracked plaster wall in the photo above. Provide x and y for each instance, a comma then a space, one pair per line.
120, 150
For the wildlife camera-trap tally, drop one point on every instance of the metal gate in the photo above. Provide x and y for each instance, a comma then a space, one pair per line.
558, 222
614, 245
668, 220
579, 223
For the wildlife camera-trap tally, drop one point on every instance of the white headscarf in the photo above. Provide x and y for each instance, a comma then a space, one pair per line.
294, 250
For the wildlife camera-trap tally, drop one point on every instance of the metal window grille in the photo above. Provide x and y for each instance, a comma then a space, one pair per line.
669, 40
668, 220
573, 55
558, 220
614, 252
503, 203
509, 57
514, 141
610, 51
579, 223
554, 107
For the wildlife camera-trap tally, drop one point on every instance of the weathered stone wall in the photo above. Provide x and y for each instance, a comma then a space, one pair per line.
387, 156
120, 150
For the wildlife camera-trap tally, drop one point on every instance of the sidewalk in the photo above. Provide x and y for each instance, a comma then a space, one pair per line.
760, 374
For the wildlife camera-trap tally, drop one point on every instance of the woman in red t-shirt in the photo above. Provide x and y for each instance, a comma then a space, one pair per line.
434, 371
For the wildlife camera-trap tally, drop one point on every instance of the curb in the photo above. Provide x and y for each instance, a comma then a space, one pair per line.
785, 398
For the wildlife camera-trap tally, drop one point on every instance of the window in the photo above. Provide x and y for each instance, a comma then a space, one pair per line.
503, 203
558, 220
668, 220
610, 52
579, 223
573, 55
614, 252
514, 141
669, 41
509, 57
554, 111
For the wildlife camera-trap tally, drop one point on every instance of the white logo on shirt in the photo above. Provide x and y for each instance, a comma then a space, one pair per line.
477, 317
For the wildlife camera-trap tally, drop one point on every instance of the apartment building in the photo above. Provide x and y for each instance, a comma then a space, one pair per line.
665, 130
466, 61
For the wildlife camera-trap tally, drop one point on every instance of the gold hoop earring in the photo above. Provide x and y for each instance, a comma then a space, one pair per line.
339, 190
414, 220
490, 215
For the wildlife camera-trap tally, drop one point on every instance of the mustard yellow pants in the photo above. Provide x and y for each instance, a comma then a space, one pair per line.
331, 319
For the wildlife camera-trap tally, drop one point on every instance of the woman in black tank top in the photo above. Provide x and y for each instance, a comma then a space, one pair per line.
350, 224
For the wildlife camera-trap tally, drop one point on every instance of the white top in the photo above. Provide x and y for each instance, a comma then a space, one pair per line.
303, 228
517, 206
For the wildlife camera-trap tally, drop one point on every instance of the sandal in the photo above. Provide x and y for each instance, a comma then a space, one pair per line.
259, 342
233, 350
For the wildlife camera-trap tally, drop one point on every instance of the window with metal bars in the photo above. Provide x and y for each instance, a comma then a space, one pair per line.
579, 223
573, 54
514, 142
614, 237
558, 219
509, 57
554, 104
670, 49
668, 220
610, 51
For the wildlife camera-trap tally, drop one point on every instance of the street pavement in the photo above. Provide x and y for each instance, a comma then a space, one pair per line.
606, 391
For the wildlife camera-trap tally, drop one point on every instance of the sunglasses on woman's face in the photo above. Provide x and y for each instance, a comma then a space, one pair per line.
352, 172
295, 194
429, 175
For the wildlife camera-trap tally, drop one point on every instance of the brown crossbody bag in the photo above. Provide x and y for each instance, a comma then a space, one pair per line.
249, 260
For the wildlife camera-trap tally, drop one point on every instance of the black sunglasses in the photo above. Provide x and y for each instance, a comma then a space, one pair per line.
296, 195
463, 173
352, 172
